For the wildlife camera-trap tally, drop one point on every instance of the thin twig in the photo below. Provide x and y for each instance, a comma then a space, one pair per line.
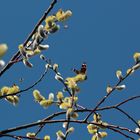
48, 118
125, 113
105, 97
19, 137
28, 88
119, 104
122, 133
127, 100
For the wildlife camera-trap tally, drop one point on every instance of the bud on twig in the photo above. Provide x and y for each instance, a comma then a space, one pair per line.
119, 75
27, 63
109, 89
42, 57
121, 87
58, 77
2, 64
43, 47
135, 67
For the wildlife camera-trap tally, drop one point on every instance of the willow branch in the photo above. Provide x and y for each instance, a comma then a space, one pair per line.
109, 126
83, 109
119, 104
16, 55
122, 133
28, 88
68, 117
19, 137
105, 97
125, 113
127, 100
48, 118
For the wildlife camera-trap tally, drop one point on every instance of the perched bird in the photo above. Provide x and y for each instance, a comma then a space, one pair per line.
81, 75
83, 69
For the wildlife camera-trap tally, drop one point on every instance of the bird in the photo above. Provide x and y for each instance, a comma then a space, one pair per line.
83, 69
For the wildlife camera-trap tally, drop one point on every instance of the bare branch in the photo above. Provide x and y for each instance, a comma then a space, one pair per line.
125, 113
122, 133
119, 104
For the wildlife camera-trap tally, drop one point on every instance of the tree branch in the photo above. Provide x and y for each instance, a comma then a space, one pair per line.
28, 88
16, 55
105, 97
125, 113
109, 126
19, 137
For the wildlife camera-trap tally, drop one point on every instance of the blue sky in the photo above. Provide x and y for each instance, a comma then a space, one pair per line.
104, 34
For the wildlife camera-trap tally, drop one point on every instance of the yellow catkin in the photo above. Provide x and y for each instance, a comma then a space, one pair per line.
59, 95
38, 97
3, 49
47, 137
46, 103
